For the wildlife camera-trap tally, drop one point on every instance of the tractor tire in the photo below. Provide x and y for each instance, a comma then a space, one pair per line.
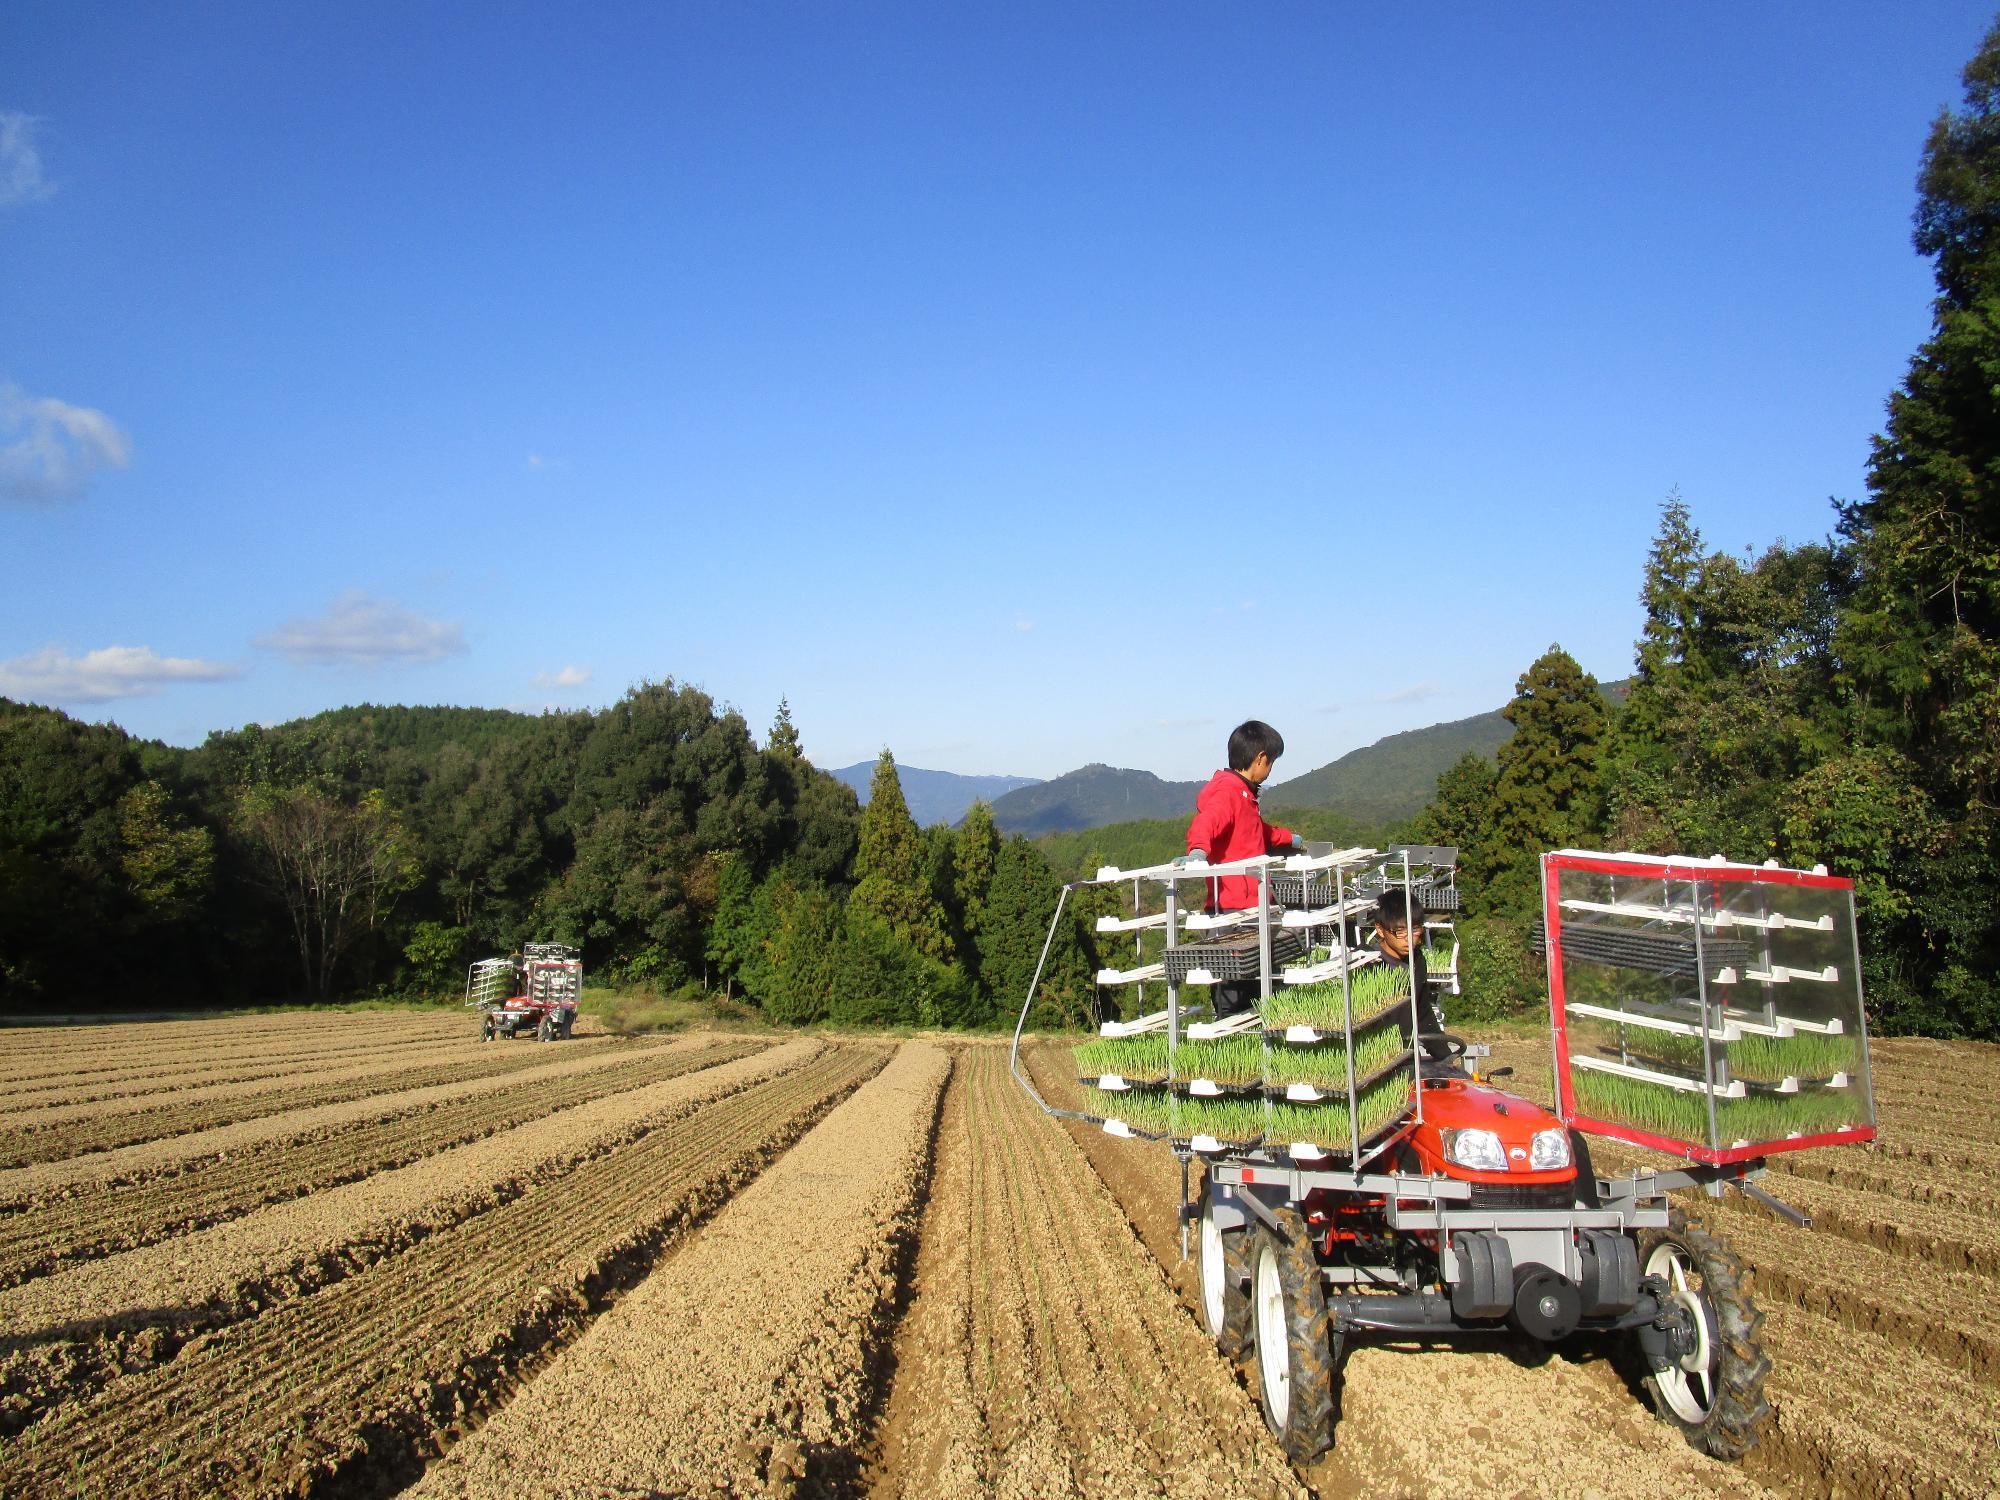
568, 1025
1715, 1393
487, 1030
545, 1030
1223, 1263
1298, 1352
1586, 1175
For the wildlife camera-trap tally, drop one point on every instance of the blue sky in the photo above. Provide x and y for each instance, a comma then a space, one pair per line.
1013, 385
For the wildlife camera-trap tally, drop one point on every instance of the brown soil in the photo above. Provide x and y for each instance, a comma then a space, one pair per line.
146, 1303
751, 1362
348, 1390
1044, 1353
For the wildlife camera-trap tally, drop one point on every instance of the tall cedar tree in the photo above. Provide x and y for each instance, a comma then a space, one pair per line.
1922, 633
1546, 794
891, 884
1021, 904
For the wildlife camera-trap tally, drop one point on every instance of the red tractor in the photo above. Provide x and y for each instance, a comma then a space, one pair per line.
535, 992
1706, 1010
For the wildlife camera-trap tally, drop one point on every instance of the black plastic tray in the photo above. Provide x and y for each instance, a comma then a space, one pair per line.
1233, 957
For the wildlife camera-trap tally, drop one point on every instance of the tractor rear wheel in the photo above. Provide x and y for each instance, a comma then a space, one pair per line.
1223, 1262
1713, 1392
1298, 1353
486, 1030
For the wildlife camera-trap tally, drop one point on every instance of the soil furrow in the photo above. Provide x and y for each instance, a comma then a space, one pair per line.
101, 1171
61, 1231
752, 1360
60, 1132
345, 1391
1043, 1354
145, 1304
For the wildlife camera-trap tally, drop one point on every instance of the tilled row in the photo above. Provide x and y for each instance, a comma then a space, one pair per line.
200, 1068
102, 1171
57, 1135
1043, 1353
76, 1117
66, 1334
55, 1054
89, 1224
752, 1361
345, 1391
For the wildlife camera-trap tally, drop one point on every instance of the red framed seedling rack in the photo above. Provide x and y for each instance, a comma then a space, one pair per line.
1703, 1008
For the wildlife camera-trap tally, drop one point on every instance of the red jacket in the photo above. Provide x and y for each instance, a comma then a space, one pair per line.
1228, 825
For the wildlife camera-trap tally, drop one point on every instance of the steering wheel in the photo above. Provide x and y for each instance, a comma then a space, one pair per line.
1455, 1046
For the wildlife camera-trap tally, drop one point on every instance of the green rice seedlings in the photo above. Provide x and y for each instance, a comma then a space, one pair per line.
1809, 1054
1227, 1119
1384, 1102
1149, 1111
1438, 957
1683, 1115
1138, 1059
1323, 1007
1229, 1060
1325, 1125
1324, 1064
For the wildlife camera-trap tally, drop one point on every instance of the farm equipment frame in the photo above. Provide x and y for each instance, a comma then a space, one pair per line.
1467, 1210
534, 992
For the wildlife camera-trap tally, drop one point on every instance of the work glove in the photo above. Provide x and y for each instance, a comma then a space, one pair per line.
1299, 842
1192, 857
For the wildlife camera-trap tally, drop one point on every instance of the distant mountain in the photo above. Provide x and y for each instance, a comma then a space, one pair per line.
934, 796
1394, 777
1092, 797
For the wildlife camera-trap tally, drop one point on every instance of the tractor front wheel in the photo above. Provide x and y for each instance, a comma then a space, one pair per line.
1298, 1352
545, 1029
1711, 1383
487, 1030
1223, 1262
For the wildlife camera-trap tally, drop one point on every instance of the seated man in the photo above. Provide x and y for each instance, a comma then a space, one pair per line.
1399, 938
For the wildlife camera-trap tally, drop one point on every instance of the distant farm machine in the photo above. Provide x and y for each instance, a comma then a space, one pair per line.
1362, 1178
535, 991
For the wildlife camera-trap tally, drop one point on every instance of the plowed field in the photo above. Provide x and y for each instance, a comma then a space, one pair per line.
278, 1256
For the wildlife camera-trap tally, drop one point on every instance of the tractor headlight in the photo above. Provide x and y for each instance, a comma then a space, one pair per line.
1477, 1149
1549, 1151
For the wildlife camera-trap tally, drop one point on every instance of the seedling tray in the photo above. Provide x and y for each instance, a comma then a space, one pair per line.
1234, 957
1671, 955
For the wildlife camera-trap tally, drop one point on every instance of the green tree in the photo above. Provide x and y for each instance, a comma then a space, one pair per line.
169, 864
1020, 905
1546, 792
1921, 634
892, 886
1461, 811
784, 738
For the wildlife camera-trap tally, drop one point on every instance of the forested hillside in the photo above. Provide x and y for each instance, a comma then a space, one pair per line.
382, 848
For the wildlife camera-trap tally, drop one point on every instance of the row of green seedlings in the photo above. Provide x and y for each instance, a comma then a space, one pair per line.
1684, 1116
1323, 1006
1806, 1055
1237, 1061
1248, 1120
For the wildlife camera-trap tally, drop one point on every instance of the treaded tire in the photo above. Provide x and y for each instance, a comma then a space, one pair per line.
545, 1030
1736, 1412
1298, 1357
487, 1030
1225, 1309
1586, 1174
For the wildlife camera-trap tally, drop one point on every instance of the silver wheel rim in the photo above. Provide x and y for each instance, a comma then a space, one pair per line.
1274, 1359
1688, 1384
1214, 1275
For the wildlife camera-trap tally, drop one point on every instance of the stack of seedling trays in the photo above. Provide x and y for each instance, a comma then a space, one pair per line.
1126, 1080
1764, 1088
1233, 958
1671, 955
1309, 1062
1219, 1093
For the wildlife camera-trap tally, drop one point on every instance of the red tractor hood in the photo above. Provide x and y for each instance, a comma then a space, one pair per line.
1458, 1104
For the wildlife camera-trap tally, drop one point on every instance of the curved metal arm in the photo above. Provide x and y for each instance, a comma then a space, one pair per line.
1014, 1056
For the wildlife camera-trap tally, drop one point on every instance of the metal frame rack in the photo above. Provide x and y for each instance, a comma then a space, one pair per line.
1705, 1008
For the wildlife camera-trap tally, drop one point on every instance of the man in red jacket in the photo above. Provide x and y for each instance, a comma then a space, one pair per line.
1229, 825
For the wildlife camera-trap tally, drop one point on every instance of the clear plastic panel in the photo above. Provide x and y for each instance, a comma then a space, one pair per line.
1715, 1012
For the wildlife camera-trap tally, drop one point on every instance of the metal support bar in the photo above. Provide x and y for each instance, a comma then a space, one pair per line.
1776, 1205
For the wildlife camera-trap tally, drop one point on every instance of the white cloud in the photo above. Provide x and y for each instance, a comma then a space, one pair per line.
567, 677
1416, 692
1025, 626
21, 179
53, 675
536, 461
49, 449
360, 631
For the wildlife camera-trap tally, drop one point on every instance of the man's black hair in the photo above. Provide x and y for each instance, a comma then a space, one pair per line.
1250, 739
1393, 909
